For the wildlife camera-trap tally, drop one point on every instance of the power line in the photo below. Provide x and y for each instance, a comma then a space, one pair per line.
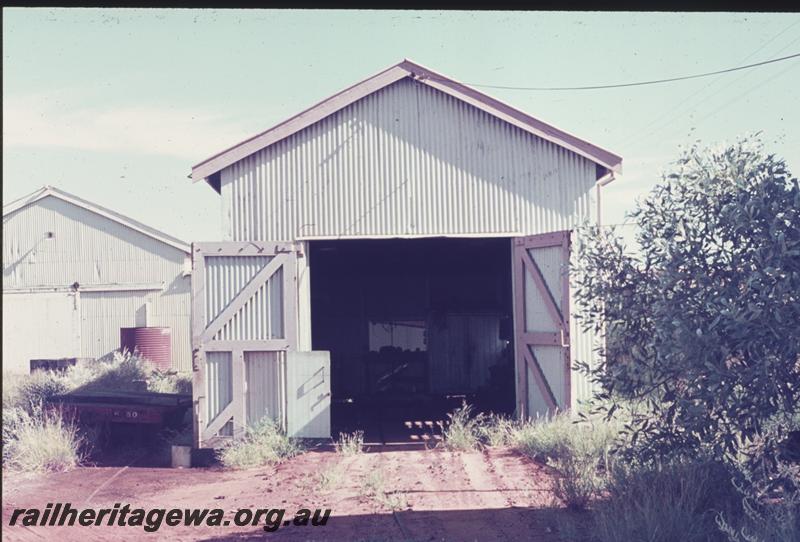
682, 104
670, 117
640, 141
642, 83
745, 93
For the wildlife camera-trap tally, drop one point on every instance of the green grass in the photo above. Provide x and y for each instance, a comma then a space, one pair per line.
263, 444
30, 392
562, 436
577, 451
676, 501
578, 480
123, 372
350, 444
374, 485
330, 478
689, 500
39, 442
169, 382
498, 431
463, 430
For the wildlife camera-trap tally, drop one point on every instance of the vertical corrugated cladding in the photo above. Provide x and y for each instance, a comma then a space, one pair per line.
407, 160
264, 386
583, 346
54, 243
261, 316
104, 313
85, 247
219, 383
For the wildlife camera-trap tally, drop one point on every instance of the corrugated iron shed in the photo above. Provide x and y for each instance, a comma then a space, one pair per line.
407, 153
411, 70
75, 272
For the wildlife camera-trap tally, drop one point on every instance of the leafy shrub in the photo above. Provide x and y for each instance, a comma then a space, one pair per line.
463, 431
701, 324
39, 441
350, 443
264, 443
766, 516
122, 372
770, 487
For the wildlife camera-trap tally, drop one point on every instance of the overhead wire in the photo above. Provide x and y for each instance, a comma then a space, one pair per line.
645, 135
669, 114
642, 83
745, 93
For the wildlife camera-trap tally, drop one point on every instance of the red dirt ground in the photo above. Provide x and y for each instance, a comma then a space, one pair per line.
437, 495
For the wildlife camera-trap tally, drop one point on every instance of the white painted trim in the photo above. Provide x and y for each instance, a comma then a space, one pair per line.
149, 287
406, 68
97, 209
429, 236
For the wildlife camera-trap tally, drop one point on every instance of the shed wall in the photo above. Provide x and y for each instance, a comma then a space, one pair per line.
583, 347
407, 160
127, 267
104, 313
58, 336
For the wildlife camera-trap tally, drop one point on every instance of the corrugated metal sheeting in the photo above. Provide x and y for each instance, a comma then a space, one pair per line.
583, 347
22, 312
54, 244
406, 161
85, 248
219, 382
261, 318
265, 373
410, 161
104, 313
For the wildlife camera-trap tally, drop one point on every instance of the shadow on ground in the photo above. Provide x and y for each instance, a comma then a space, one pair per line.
508, 524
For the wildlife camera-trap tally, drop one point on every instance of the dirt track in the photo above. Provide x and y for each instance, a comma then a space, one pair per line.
387, 495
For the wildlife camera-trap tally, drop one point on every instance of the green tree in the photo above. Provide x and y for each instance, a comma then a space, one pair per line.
702, 324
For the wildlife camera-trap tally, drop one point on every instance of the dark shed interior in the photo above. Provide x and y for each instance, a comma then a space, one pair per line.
414, 327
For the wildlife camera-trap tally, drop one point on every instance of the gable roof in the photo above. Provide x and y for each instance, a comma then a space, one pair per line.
608, 161
46, 191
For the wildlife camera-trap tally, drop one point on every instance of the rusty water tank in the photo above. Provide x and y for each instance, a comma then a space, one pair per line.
153, 344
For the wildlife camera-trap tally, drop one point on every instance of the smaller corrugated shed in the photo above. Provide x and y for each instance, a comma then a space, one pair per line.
75, 272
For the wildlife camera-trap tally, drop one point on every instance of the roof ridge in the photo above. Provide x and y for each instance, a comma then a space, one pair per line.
49, 190
405, 68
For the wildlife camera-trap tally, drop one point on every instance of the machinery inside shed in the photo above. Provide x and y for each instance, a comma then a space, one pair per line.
414, 327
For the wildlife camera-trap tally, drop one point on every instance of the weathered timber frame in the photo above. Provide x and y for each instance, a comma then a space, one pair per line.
283, 257
525, 264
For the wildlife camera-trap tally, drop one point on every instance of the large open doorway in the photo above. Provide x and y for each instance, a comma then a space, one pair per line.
414, 327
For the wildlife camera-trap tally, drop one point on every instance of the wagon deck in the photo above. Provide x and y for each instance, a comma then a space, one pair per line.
124, 406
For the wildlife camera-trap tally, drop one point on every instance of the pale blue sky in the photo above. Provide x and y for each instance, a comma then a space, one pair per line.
117, 105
